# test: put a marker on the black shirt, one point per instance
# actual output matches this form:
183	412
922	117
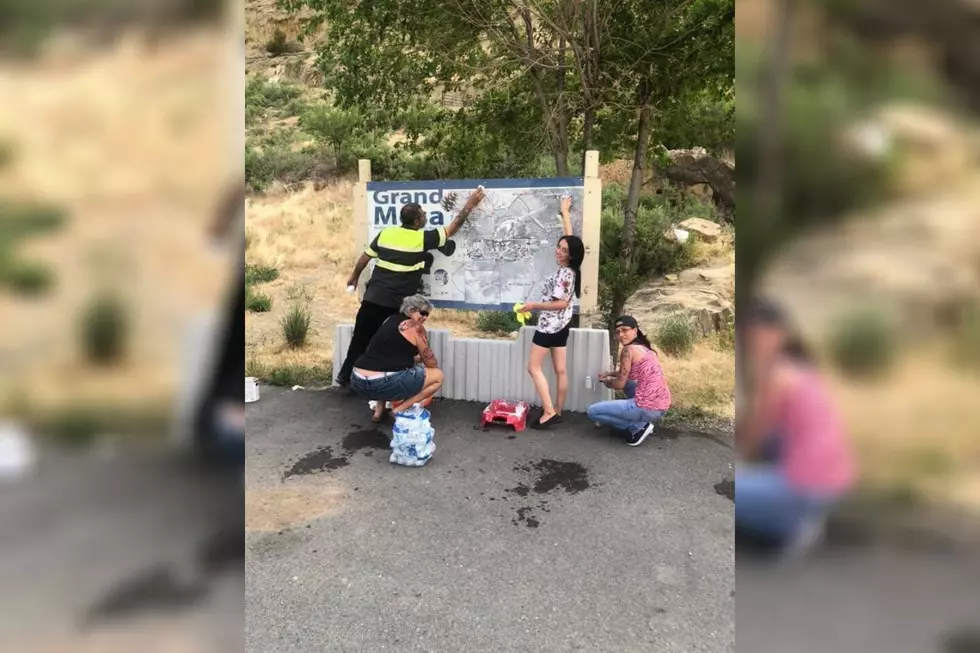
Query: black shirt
389	350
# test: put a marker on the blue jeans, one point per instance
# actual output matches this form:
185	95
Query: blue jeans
393	386
624	413
768	507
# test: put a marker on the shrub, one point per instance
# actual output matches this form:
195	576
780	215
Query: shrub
296	326
258	302
80	424
280	162
300	292
966	342
725	338
104	329
29	279
259	274
863	343
676	335
306	375
255	367
497	322
26	220
277	45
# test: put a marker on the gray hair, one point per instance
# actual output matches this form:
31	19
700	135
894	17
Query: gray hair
415	303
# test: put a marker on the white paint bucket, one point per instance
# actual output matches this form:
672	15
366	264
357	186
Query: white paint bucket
251	389
17	455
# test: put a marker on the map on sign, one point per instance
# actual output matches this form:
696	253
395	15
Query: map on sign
506	249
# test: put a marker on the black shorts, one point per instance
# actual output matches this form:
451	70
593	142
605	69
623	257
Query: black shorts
552	340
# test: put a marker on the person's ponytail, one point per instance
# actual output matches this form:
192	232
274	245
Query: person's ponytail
641	339
576	255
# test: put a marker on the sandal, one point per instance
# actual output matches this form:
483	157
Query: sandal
538	425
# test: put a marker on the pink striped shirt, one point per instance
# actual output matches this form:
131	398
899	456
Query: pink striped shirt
652	392
817	456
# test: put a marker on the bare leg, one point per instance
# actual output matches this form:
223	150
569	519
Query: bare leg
379	411
541	382
433	381
558	358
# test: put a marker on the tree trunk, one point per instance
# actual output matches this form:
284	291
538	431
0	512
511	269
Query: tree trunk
632	203
588	126
561	113
766	190
636	180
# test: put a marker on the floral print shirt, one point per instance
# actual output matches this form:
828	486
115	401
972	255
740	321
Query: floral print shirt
559	286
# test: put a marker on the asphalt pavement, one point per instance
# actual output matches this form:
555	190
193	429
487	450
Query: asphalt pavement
564	540
125	542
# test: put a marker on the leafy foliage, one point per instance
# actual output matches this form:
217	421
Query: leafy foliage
655	255
497	322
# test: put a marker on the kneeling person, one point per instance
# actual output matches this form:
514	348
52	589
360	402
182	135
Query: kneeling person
387	371
641	379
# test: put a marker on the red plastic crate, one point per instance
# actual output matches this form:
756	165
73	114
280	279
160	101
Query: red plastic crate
511	413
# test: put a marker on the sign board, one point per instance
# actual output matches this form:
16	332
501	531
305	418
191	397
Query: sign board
505	250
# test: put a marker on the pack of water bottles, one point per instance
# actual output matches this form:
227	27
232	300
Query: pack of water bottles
412	443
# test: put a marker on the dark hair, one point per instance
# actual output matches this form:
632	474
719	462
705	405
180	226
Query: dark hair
641	339
411	214
576	254
766	312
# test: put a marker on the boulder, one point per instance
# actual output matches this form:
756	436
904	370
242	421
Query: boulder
917	258
705	295
706	230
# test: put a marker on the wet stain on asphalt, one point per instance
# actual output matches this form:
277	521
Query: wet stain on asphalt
222	550
965	640
521	490
321	459
555	474
726	488
511	437
156	589
547	476
526	516
365	439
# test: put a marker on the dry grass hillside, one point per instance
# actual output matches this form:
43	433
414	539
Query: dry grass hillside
130	143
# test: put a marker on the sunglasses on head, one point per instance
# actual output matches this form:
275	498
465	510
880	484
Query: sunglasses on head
424	313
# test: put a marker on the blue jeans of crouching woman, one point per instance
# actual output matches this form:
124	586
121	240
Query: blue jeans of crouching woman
391	386
624	413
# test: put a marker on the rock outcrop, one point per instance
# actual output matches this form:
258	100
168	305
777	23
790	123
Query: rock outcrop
704	294
919	259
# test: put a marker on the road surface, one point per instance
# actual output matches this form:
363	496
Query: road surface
566	540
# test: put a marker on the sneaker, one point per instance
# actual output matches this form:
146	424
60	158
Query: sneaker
808	538
636	439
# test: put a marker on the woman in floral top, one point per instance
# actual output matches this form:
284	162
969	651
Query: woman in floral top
556	308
